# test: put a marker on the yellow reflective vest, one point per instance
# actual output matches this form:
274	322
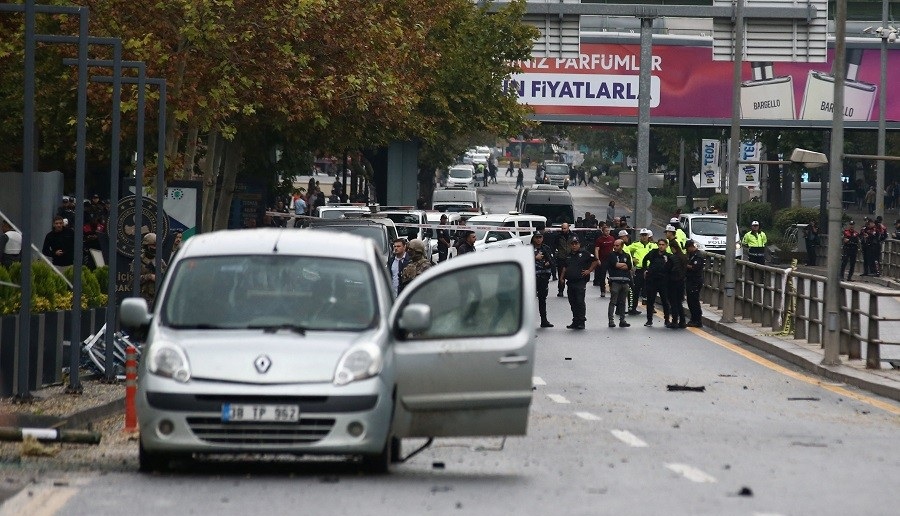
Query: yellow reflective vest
757	240
638	250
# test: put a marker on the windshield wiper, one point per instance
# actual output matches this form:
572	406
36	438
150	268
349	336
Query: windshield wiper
202	326
272	328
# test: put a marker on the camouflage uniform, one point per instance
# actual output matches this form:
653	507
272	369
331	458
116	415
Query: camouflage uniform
417	264
148	269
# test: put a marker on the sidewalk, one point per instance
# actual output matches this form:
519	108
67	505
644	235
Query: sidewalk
883	382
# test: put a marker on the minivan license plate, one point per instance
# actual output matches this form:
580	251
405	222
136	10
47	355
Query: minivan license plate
274	413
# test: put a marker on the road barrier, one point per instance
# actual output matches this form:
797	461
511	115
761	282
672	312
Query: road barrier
759	297
130	388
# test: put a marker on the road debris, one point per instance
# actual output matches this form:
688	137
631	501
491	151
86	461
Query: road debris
688	388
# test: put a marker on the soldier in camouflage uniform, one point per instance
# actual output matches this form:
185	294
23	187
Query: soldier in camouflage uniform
148	268
417	262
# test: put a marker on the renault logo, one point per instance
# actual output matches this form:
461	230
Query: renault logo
262	364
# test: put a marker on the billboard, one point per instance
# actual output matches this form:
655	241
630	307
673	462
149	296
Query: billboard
689	88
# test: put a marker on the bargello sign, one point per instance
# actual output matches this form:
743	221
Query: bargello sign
126	227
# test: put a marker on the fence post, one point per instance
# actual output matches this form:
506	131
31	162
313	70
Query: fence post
800	319
815	317
768	299
854	350
873	347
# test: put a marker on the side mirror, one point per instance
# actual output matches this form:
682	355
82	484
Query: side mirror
491	240
415	318
134	314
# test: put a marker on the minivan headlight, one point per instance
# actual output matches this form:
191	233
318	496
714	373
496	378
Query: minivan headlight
169	360
358	363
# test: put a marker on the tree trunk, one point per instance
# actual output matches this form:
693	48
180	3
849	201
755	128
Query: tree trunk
173	93
190	150
233	154
210	174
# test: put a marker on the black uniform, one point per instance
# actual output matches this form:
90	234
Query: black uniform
543	268
657	267
693	281
850	250
60	240
443	236
576	282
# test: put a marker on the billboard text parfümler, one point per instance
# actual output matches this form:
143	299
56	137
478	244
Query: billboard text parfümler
689	88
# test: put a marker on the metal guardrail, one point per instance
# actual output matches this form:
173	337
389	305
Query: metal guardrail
785	299
890	256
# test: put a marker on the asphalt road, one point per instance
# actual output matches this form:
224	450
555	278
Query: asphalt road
606	436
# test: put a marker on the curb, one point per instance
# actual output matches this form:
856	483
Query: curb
806	360
85	417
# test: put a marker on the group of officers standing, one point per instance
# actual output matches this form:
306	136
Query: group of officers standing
670	267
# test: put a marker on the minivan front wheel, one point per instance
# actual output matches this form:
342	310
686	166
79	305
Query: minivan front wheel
379	463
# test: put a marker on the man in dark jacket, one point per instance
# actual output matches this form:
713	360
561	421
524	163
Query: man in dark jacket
657	267
619	267
543	265
398	261
579	264
59	244
693	281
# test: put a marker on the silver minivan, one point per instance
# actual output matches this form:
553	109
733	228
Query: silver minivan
283	341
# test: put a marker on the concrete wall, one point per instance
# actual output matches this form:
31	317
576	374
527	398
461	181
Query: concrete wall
47	192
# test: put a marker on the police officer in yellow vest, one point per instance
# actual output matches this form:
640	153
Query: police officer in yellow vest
680	235
755	241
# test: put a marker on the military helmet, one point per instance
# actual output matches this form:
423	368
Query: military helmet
416	245
149	239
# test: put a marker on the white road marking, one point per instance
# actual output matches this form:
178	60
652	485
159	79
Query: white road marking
629	438
537	380
588	416
691	473
557	398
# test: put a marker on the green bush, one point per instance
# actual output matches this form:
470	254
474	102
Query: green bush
91	294
790	216
102	275
759	211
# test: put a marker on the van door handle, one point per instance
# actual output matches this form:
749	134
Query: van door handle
513	359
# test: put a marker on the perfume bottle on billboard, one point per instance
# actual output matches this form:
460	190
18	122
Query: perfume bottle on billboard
859	97
767	96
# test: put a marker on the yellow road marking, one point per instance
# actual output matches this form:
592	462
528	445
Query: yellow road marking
887	407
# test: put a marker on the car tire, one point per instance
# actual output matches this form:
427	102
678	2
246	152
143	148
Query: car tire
379	463
149	462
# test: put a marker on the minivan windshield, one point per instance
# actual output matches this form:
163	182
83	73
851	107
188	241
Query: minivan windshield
556	213
708	227
461	173
271	292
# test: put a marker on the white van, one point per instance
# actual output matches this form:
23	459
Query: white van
455	200
461	175
708	231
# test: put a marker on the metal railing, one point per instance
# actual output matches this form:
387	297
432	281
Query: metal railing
792	303
890	256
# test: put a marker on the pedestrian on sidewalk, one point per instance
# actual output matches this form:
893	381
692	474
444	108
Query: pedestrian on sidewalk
611	212
850	241
693	281
520	179
579	265
870	199
620	267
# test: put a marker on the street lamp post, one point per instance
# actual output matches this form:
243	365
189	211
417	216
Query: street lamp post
887	34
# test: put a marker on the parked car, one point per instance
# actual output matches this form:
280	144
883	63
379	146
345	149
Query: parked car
512	229
461	175
382	231
273	341
409	223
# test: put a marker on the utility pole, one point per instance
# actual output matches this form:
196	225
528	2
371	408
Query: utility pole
733	149
831	338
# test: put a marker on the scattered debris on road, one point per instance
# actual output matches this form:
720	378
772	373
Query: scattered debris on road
745	491
688	388
804	399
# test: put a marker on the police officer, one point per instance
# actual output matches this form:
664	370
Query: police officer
638	251
657	267
680	235
755	240
563	245
619	268
693	281
850	241
579	264
467	245
148	268
543	265
871	245
443	238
